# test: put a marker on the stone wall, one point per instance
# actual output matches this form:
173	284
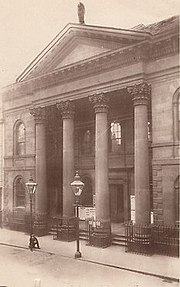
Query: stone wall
164	165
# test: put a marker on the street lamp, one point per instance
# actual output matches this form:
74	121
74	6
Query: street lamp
77	187
31	188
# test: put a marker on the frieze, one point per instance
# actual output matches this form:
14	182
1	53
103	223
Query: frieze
163	48
99	102
39	114
67	109
140	93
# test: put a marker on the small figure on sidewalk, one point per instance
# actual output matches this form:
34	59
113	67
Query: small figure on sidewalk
33	242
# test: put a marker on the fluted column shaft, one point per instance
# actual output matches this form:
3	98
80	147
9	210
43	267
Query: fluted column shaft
67	111
140	95
101	157
41	194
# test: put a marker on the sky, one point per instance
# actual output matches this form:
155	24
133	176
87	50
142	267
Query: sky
27	26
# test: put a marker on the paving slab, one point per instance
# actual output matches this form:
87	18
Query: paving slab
114	256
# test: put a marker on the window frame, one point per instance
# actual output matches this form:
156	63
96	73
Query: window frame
17	143
18	193
119	146
84	143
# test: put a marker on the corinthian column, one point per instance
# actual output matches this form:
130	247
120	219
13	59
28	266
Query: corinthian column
41	194
67	111
100	104
140	95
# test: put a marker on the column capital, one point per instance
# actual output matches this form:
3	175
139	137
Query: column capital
99	102
140	93
38	114
67	109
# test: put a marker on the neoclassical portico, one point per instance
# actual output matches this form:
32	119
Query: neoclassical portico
140	94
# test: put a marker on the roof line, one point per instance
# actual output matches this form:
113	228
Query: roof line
53	42
18	79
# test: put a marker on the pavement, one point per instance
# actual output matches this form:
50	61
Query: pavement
113	256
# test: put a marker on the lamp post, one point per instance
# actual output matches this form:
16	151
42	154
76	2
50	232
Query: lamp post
31	189
77	187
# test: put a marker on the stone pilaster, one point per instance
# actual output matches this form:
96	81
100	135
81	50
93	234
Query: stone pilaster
100	104
140	95
67	110
41	193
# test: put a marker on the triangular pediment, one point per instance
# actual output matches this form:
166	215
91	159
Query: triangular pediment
81	51
76	43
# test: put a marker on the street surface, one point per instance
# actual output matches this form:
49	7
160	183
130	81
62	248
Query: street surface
23	268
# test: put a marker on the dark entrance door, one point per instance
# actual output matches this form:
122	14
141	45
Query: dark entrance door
117	203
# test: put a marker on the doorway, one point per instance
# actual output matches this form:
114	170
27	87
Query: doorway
116	203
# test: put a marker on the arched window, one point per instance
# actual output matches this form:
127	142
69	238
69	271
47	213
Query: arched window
115	137
19	192
19	138
87	195
177	202
87	143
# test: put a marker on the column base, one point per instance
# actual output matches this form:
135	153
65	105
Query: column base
139	239
65	228
100	233
77	255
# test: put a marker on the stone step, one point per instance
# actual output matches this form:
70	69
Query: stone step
117	239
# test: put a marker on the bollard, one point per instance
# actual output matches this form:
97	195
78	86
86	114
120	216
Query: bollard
37	283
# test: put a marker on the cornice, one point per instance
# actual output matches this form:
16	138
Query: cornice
72	30
165	144
120	57
165	161
143	52
164	48
19	157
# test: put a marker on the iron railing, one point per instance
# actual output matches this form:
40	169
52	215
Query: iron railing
152	239
99	233
165	240
64	228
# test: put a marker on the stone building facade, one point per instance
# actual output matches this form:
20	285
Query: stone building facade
105	102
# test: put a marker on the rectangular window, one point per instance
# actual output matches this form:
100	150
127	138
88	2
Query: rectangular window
115	137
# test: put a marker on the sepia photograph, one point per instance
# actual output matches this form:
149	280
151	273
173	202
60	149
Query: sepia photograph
89	143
